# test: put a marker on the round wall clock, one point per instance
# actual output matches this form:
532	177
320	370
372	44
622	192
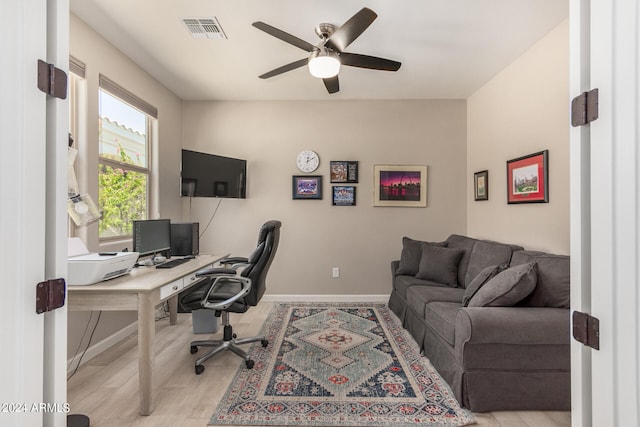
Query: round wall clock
307	161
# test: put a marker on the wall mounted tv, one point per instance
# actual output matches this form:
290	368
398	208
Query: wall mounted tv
210	175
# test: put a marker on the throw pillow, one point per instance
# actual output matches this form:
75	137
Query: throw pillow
508	287
481	278
439	264
411	254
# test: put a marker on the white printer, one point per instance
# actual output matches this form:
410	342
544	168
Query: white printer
86	268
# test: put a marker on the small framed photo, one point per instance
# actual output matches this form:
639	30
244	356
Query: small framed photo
344	171
307	187
400	185
528	178
481	185
343	195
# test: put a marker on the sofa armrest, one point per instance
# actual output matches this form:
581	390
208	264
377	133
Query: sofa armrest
394	267
511	325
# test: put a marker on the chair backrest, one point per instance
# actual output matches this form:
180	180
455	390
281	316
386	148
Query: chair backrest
260	260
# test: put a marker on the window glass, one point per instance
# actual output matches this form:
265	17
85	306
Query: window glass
123	176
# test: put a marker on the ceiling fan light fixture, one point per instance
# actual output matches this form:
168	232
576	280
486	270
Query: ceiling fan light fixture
324	64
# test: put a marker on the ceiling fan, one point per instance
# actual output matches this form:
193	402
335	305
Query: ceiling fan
327	56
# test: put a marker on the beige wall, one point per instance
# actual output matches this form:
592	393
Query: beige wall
101	57
523	110
316	236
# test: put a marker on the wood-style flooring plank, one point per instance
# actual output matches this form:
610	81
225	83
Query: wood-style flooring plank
106	387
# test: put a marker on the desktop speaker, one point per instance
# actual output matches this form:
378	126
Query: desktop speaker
184	238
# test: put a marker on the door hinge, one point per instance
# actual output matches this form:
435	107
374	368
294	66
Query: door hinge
52	80
584	108
50	295
586	329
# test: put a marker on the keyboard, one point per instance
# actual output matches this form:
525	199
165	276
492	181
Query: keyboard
173	263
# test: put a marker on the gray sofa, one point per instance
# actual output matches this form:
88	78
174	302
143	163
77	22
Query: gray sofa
507	347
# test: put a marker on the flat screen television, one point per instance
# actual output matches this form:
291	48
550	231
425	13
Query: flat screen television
210	175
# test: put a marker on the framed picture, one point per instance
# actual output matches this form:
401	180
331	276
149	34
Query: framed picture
528	178
400	185
343	195
307	187
481	185
344	171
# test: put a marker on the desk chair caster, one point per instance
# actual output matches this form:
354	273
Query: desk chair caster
249	363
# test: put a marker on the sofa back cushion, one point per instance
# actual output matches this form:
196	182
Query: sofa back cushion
411	254
554	285
478	255
486	253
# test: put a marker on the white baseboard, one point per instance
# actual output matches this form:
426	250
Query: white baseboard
101	346
324	298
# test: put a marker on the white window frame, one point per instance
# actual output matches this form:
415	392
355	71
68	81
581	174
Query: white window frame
117	91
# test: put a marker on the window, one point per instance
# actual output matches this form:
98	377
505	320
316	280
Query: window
123	166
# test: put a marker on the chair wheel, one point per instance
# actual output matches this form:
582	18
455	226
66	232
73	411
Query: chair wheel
264	343
250	363
193	349
199	369
234	336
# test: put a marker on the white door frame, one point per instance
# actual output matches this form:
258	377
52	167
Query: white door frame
605	211
32	171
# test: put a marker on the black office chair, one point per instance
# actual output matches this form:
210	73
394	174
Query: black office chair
234	289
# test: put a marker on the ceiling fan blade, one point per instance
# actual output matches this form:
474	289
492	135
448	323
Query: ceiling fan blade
285	37
366	61
292	66
332	84
350	30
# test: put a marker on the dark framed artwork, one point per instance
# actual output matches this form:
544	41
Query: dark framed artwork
400	185
481	185
307	187
528	178
344	171
343	195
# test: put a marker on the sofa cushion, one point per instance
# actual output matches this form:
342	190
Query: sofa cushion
507	288
481	278
411	254
466	244
419	296
554	285
439	264
441	318
404	282
486	253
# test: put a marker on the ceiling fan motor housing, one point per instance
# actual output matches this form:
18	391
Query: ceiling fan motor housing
324	31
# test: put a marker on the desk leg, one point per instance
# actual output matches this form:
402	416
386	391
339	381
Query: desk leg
173	310
146	352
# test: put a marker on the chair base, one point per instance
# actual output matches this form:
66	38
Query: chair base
229	342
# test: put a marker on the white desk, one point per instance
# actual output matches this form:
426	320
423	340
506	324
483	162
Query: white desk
141	290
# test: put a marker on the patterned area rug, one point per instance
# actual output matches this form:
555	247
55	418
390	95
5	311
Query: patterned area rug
338	365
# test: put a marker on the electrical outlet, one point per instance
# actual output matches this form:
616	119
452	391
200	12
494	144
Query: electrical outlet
336	272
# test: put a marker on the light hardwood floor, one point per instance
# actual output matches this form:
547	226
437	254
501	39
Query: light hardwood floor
106	387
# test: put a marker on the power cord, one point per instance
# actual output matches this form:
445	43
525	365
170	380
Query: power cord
211	219
95	326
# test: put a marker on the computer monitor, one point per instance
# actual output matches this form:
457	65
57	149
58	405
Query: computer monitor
152	236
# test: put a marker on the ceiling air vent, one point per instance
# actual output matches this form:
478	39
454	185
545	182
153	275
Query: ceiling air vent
204	28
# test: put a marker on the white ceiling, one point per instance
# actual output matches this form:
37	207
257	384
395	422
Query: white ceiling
448	48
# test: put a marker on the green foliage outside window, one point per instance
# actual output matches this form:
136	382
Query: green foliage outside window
122	197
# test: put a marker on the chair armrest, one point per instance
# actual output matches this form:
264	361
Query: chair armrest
234	260
394	267
245	288
215	271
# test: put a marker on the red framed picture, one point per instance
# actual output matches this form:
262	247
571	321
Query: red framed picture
528	178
